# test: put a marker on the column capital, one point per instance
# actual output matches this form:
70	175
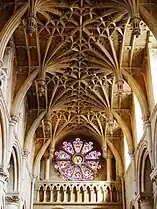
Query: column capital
41	86
131	151
146	120
25	153
12	199
14	119
1	63
109	155
105	151
51	152
4	174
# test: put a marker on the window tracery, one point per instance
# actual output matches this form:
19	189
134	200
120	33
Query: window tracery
77	160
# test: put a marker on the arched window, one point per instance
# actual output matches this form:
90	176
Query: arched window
77	160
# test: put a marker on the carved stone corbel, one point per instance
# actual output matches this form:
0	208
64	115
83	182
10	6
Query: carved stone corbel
41	87
136	26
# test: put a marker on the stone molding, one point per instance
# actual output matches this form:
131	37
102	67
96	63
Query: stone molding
4	175
145	197
25	153
153	176
12	198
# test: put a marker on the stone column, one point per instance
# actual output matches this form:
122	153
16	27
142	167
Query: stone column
24	158
47	168
12	202
85	193
51	194
65	199
3	180
12	124
133	164
32	191
109	166
58	195
99	194
147	129
92	194
3	77
78	194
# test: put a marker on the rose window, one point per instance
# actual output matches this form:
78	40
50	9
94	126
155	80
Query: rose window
77	160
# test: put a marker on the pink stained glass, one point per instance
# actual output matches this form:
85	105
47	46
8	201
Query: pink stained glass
94	165
62	164
87	147
62	155
87	173
68	172
93	155
77	175
67	146
77	145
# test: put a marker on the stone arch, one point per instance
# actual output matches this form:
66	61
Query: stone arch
39	156
14	171
31	131
18	153
145	187
22	92
149	19
138	92
3	134
125	129
10	27
141	156
154	151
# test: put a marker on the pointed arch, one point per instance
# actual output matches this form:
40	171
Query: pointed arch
31	131
125	130
4	132
22	92
141	157
138	92
39	156
10	27
149	19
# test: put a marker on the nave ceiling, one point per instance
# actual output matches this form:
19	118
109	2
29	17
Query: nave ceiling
90	57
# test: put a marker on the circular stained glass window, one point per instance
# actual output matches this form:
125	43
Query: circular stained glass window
77	160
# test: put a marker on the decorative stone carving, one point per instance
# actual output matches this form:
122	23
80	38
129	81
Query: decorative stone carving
31	25
153	176
51	152
110	124
4	174
14	120
120	84
12	199
105	151
47	127
25	153
41	86
136	26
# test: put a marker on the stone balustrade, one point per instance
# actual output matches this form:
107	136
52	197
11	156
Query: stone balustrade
78	192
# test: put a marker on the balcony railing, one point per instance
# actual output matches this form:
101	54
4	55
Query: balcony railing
77	192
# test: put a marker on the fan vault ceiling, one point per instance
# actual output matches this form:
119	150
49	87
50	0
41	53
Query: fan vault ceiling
90	57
